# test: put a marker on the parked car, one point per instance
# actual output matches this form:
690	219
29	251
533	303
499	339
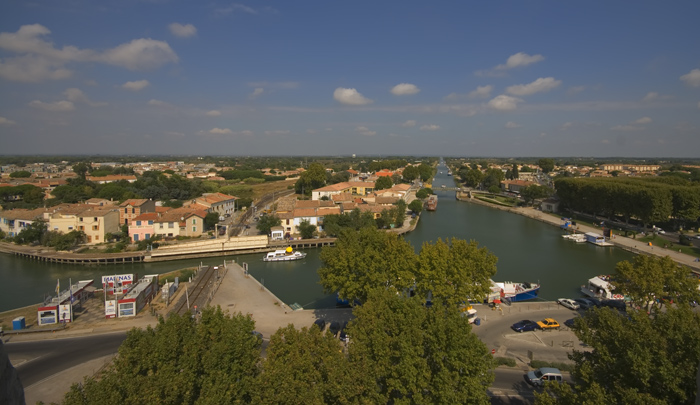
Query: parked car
569	323
584	303
320	323
595	301
571	304
334	328
620	305
538	377
548	323
524	326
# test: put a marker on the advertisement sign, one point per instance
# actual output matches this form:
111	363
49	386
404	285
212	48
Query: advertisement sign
47	317
127	309
64	313
110	309
120	283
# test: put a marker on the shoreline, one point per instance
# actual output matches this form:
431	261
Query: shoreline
628	244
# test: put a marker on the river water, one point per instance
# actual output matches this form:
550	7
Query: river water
527	250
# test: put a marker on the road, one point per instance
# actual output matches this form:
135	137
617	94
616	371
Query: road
40	359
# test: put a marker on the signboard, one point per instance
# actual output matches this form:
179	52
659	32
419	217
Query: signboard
110	309
64	313
120	282
47	317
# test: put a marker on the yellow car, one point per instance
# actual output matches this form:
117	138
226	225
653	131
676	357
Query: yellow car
548	323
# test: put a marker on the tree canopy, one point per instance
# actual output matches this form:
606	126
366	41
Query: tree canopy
383	183
266	222
313	178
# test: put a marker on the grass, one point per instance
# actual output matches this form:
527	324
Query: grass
504	361
260	190
561	366
182	274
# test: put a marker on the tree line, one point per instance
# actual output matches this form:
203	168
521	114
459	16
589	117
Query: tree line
651	200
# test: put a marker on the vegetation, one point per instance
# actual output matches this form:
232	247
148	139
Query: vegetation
311	179
334	224
21	174
307	229
415	206
267	222
180	361
362	261
383	183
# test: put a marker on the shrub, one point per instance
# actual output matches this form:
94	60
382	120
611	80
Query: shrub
561	366
504	361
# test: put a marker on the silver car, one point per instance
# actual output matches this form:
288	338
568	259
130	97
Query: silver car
571	304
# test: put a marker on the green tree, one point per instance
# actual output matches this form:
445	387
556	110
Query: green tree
31	233
210	220
410	173
383	183
415	206
515	172
415	354
535	192
21	174
180	361
311	179
547	165
366	259
266	222
355	220
426	171
648	278
81	169
306	367
473	178
493	177
454	272
423	193
307	229
634	359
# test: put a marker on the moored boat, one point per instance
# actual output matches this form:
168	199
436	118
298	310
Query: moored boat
515	292
600	287
431	204
284	255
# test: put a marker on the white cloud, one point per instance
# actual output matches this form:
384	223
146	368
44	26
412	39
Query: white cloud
32	69
512	125
277	132
153	101
542	84
213	113
481	92
350	97
654	96
221	131
59	106
135	85
409	124
404	89
182	31
431	127
519	59
365	131
643	120
5	121
40	60
504	103
77	96
575	90
258	91
627	128
692	78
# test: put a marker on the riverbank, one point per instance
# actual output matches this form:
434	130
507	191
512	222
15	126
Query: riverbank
626	243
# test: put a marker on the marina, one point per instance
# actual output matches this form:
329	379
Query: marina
527	249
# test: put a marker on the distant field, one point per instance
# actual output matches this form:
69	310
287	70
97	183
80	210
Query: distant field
261	189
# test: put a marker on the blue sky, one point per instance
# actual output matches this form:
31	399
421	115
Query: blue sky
450	78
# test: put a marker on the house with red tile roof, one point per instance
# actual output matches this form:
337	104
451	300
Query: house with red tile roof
219	203
354	187
132	208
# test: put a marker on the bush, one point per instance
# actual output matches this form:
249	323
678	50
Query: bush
561	366
504	361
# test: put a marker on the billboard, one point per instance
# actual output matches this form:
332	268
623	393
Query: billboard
65	314
110	308
121	283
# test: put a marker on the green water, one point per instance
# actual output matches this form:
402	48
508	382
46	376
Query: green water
527	250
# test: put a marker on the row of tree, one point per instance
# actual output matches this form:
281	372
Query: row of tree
651	200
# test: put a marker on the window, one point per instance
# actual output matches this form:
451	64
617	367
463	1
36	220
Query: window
126	210
138	223
136	237
81	219
148	236
95	227
133	210
171	225
95	219
97	237
70	227
81	228
161	225
194	229
194	221
150	222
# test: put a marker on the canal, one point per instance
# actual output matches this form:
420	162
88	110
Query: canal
527	250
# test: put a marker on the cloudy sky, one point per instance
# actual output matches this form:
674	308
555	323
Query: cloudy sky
452	78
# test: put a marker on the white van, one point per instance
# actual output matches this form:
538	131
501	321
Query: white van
541	375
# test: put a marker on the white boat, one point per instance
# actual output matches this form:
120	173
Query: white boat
514	292
576	237
284	255
600	287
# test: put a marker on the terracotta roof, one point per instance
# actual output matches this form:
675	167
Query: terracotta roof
149	216
213	198
327	203
134	202
96	212
334	187
305	212
348	206
386	200
401	187
24	214
285	215
328	211
161	210
307	204
384	173
341	197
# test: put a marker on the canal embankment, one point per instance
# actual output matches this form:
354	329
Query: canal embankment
622	242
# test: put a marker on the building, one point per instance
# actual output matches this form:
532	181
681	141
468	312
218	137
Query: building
14	221
179	222
143	227
113	178
96	223
353	187
219	203
132	208
516	186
